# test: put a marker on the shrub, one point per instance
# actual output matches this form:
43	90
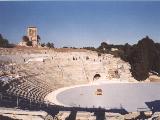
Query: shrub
29	43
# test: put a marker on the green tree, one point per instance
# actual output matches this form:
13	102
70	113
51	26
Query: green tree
144	57
38	38
50	45
3	42
103	48
1	37
25	38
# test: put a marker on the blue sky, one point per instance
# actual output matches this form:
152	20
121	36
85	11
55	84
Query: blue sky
81	23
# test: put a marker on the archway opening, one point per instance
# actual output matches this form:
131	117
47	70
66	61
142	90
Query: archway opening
96	77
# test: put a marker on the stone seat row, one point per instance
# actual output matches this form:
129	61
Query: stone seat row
29	90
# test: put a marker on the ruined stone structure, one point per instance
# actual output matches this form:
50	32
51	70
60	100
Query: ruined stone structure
33	36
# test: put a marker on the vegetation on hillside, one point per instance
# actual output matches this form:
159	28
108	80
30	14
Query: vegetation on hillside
3	42
144	57
25	39
49	45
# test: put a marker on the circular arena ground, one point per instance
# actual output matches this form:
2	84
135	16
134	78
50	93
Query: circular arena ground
128	96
